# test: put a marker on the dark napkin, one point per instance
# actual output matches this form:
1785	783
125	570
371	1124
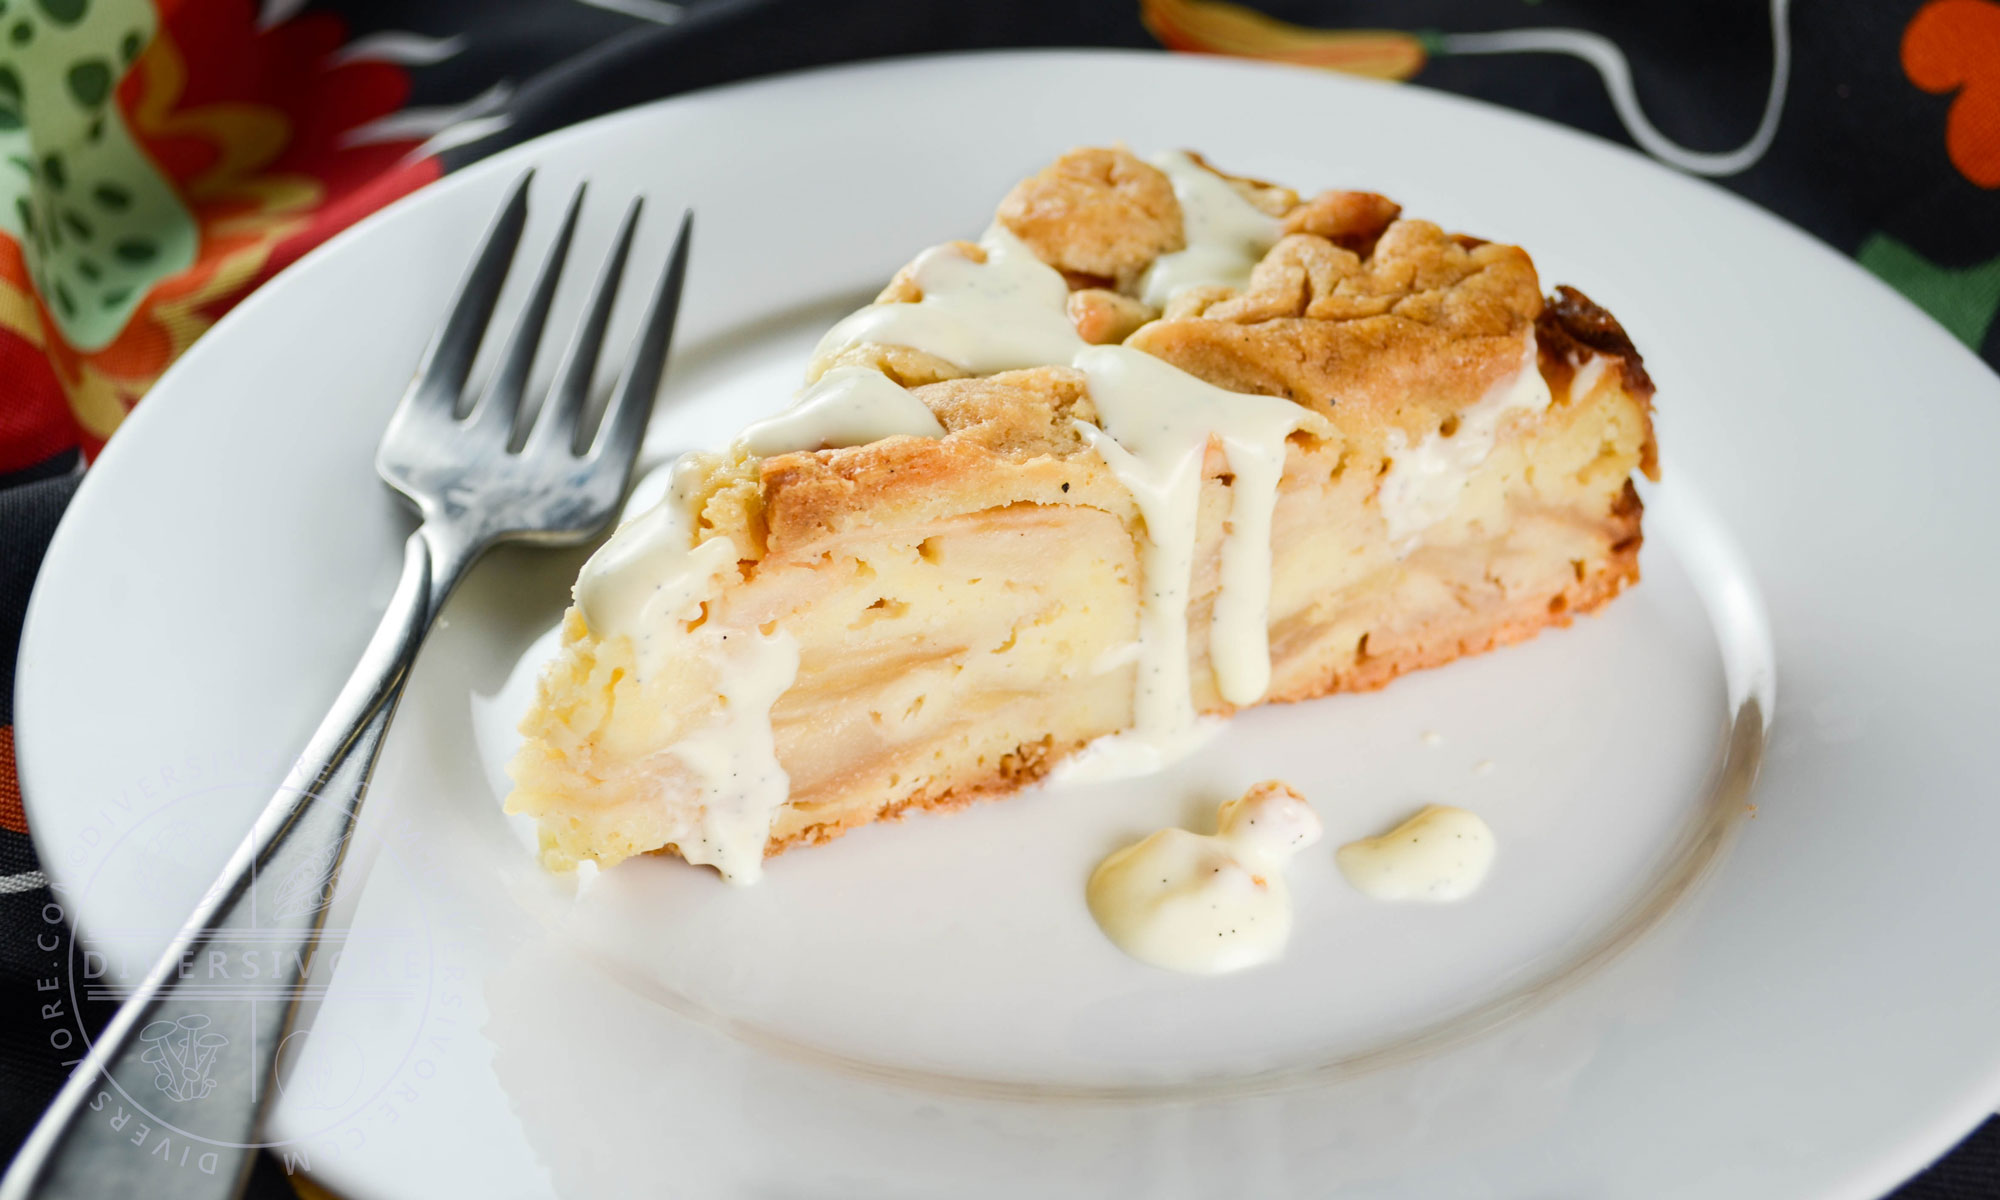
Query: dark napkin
1882	137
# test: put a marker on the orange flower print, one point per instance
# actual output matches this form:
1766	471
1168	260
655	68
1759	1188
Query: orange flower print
1954	45
1215	27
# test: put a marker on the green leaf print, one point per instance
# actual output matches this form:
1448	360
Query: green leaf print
97	221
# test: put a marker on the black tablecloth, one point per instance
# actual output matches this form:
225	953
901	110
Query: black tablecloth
1876	126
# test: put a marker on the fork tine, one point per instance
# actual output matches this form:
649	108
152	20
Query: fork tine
561	411
624	422
500	405
440	378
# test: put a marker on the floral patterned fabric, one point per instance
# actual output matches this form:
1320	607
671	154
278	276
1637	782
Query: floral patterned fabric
161	159
157	163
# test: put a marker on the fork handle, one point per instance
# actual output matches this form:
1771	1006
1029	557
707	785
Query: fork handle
194	1072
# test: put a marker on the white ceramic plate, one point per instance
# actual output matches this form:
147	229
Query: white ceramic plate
1655	994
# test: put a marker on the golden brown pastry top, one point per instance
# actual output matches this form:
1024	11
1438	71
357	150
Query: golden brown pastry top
1097	213
1101	216
1422	318
1374	321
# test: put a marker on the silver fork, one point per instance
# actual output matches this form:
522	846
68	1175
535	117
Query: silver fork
477	482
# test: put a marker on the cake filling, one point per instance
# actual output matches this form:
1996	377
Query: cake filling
1425	481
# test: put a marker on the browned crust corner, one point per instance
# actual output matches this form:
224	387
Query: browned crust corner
1572	319
1573	327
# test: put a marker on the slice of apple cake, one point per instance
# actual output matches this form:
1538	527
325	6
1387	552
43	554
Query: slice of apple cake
1162	444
